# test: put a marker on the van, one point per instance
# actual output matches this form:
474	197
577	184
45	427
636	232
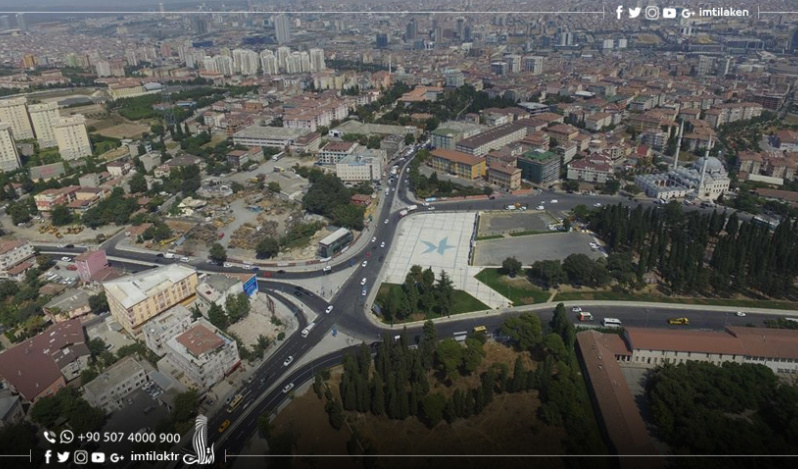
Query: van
585	316
327	270
307	330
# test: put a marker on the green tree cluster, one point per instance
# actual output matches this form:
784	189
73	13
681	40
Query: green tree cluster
419	294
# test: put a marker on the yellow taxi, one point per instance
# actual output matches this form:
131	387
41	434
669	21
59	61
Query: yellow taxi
224	426
678	321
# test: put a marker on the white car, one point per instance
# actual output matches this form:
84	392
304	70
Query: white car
576	309
553	201
597	204
185	259
540	207
288	360
374	239
364	264
66	259
431	208
363	282
740	314
227	265
382	244
329	309
288	387
386	221
248	266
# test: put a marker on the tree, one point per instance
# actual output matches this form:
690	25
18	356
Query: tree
185	406
267	247
98	303
274	187
218	317
554	345
237	307
138	183
511	266
612	186
549	272
61	216
524	330
473	355
349	216
571	185
217	253
409	139
433	406
449	355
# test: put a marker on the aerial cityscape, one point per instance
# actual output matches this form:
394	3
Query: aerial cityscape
390	234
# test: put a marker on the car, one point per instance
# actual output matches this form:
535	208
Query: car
431	208
364	264
327	269
363	292
224	426
185	259
740	314
381	258
248	266
374	239
576	309
288	387
553	201
382	244
160	254
524	207
288	360
540	207
227	264
368	253
597	204
281	271
363	282
386	221
211	261
329	309
72	267
678	321
66	259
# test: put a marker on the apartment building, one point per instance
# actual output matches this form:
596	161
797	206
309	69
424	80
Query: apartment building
13	254
492	139
460	164
137	298
47	199
89	263
9	156
159	330
505	176
14	111
362	166
72	137
203	353
109	389
43	117
596	168
539	167
277	137
333	152
449	133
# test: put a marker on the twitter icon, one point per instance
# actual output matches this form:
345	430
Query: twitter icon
63	457
634	12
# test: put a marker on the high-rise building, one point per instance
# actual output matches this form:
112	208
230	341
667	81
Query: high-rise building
382	40
461	27
499	68
467	34
103	68
14	112
513	63
29	61
268	62
317	60
532	64
705	66
282	54
21	22
135	299
245	61
224	65
72	137
411	31
282	29
42	116
200	25
9	157
131	58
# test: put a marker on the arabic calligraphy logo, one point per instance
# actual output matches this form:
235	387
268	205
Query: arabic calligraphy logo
202	454
442	246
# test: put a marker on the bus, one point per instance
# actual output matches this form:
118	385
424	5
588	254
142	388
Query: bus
460	336
235	403
611	322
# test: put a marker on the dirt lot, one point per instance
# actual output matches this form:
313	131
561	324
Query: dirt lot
258	322
507	426
497	223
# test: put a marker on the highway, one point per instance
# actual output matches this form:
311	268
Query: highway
350	314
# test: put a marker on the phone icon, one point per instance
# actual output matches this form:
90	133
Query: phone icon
50	437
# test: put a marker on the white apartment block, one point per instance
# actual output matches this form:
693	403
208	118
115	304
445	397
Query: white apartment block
13	111
9	157
109	390
268	62
13	253
359	167
163	327
203	353
72	137
43	116
317	60
245	61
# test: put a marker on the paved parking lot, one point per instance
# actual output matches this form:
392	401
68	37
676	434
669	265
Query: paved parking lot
495	223
532	248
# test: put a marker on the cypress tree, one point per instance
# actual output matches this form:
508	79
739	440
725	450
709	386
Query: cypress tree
378	396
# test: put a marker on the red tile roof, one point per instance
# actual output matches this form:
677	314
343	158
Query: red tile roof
200	340
456	156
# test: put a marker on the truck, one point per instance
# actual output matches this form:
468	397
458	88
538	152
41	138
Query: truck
169	255
403	213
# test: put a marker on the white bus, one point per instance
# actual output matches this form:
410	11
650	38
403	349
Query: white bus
610	322
460	336
307	330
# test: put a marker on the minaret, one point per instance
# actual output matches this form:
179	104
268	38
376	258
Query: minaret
678	145
704	169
